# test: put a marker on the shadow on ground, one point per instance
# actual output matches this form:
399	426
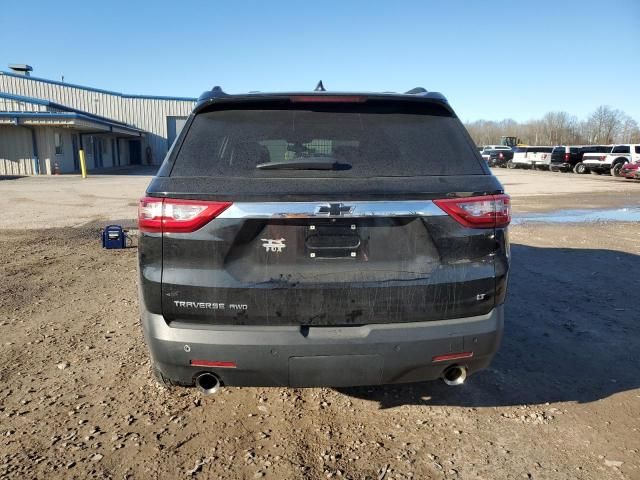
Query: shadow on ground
572	334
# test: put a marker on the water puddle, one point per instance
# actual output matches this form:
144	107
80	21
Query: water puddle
627	214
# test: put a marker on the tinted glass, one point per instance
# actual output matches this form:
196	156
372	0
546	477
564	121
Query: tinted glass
621	149
637	149
373	141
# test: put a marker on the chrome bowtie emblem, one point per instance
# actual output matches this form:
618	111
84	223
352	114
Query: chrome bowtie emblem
334	209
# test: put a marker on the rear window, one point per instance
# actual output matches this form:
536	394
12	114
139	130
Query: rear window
558	150
621	149
596	149
371	141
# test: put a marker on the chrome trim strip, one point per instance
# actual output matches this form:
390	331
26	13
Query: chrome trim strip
345	209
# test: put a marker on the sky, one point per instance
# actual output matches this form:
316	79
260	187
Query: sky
492	59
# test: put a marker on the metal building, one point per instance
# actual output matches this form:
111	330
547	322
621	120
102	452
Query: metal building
43	123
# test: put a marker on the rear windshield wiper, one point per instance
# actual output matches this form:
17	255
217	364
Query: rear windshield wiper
310	163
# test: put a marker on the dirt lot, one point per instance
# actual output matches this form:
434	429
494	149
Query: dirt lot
561	400
68	200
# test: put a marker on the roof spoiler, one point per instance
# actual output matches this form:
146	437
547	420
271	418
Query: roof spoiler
217	93
423	92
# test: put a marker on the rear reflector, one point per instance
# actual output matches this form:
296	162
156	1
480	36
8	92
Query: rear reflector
169	215
328	99
208	363
488	211
452	356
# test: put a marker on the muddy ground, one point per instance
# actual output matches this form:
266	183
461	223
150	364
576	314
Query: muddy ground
560	401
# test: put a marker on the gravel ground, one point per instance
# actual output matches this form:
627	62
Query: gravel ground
560	401
68	200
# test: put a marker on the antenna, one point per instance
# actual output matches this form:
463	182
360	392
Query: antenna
320	87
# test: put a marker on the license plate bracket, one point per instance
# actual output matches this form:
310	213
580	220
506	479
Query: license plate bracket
334	240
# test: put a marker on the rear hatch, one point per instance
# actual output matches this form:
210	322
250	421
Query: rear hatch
339	211
596	154
559	155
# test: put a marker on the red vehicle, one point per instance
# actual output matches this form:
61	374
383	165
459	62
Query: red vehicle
630	170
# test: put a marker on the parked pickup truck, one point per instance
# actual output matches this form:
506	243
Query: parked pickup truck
612	161
531	157
487	149
499	158
566	158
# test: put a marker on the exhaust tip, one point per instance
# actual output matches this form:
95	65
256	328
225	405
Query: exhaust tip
454	375
207	383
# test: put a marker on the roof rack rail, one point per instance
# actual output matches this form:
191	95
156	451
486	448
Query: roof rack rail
416	91
215	92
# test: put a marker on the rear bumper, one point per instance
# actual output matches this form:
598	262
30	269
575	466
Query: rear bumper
322	356
562	165
598	167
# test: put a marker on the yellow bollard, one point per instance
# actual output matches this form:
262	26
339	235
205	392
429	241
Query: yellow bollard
83	164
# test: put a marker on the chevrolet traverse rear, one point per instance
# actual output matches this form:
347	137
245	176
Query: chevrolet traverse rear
322	239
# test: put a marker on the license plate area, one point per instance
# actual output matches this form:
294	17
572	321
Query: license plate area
336	239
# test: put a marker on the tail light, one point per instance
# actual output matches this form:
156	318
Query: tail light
566	157
501	155
169	215
488	211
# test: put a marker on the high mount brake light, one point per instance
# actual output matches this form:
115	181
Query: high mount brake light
169	215
327	99
488	211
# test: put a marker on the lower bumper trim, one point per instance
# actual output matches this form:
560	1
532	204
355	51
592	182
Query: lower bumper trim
324	356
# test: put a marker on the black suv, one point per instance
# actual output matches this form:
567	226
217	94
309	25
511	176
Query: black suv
322	239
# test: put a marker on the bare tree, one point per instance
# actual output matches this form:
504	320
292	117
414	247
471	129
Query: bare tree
629	132
604	126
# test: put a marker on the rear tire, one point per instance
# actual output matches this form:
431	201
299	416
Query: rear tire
510	164
615	169
580	168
